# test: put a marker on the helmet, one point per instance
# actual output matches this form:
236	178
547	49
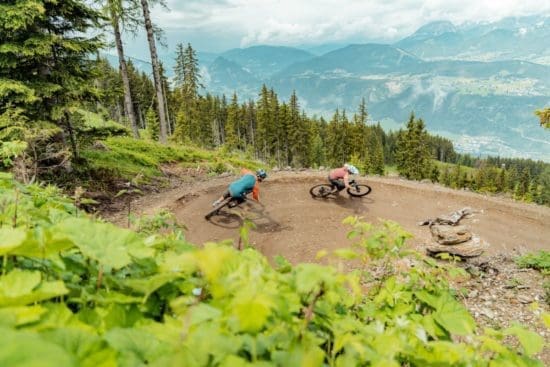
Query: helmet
261	174
351	169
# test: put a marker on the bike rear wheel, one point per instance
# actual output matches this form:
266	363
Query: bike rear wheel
321	191
359	190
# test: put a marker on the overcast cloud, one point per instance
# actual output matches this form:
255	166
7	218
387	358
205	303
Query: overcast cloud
217	24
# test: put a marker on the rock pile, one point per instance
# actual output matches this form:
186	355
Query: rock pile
450	237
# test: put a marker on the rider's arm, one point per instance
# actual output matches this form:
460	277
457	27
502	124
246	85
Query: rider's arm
346	180
256	192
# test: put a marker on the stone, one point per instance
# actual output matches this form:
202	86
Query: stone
487	312
450	235
473	248
99	145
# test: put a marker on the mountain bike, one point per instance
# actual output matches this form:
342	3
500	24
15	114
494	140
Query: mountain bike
230	202
355	189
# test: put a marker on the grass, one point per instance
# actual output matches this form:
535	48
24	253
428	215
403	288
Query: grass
126	157
537	260
452	167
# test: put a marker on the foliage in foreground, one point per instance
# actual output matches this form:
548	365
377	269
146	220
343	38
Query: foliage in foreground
80	292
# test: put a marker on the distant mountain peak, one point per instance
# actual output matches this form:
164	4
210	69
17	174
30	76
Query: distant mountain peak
435	29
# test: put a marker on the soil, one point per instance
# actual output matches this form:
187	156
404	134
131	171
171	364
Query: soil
289	222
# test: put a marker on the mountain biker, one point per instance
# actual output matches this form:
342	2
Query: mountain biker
339	177
246	183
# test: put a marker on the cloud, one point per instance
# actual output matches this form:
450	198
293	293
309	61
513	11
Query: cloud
291	22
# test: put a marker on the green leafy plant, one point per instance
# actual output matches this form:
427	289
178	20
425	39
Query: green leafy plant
538	260
77	291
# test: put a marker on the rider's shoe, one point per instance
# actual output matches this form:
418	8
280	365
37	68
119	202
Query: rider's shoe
217	202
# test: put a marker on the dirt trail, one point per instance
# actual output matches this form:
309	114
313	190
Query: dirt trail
294	225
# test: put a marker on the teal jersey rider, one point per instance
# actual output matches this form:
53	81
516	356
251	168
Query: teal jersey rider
243	185
248	182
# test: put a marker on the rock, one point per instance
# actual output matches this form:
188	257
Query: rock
451	218
524	299
487	312
321	168
473	293
99	145
472	248
275	169
450	235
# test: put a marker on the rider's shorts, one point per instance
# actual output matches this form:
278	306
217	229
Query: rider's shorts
339	184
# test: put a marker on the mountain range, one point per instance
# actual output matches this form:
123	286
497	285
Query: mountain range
477	84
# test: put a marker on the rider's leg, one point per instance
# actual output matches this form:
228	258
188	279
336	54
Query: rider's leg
338	184
222	198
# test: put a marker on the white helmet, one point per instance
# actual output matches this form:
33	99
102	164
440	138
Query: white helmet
351	169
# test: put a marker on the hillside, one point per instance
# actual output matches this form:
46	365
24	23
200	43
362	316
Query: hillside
477	84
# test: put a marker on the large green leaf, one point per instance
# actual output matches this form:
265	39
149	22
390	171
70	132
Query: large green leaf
24	349
59	315
19	283
453	317
21	315
19	288
107	244
252	311
531	342
310	277
88	349
136	347
300	356
148	285
42	243
203	312
11	238
213	259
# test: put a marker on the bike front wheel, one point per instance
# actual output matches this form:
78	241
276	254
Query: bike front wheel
321	191
217	209
359	190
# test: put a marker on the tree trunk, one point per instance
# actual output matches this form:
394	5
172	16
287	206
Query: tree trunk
128	105
72	138
168	122
156	70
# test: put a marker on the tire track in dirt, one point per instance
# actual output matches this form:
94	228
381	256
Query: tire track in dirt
290	223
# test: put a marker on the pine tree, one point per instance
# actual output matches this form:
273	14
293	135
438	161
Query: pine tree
544	117
334	141
179	68
191	76
413	152
375	154
446	177
233	120
263	115
152	123
45	64
297	139
457	179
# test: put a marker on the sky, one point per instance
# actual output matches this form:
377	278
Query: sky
218	25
